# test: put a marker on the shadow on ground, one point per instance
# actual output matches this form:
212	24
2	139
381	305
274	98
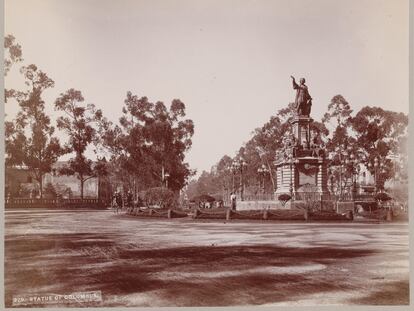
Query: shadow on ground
183	276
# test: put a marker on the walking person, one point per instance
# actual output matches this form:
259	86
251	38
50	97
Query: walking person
118	199
233	201
113	201
129	199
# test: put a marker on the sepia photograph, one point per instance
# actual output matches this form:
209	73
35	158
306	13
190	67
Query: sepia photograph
233	153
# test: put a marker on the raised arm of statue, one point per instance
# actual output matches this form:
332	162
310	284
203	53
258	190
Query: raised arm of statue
295	85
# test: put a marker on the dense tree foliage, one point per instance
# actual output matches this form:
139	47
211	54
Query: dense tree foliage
13	52
30	139
146	148
150	142
380	134
78	123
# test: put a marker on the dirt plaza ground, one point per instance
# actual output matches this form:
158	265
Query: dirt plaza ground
183	262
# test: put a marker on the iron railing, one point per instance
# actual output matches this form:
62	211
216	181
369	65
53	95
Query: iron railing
52	203
260	197
312	196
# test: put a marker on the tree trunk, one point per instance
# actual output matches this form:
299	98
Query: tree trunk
41	186
81	184
99	189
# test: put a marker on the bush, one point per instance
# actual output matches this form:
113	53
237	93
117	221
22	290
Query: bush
50	191
382	197
163	197
283	198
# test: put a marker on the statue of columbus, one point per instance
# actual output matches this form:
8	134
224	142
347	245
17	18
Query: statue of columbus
303	100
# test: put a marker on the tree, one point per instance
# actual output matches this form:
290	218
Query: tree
167	139
338	118
223	176
84	169
338	110
15	141
41	149
50	191
151	141
319	132
78	124
218	181
13	54
260	149
379	132
14	135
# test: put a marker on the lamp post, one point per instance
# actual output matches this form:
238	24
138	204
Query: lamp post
234	169
166	176
332	180
381	174
354	172
228	182
346	156
395	173
291	176
357	178
342	153
262	171
347	164
376	164
239	165
379	169
243	165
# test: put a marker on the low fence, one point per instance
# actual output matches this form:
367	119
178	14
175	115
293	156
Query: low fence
312	196
269	214
264	215
53	203
152	212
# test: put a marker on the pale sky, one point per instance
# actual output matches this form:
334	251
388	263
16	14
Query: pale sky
229	61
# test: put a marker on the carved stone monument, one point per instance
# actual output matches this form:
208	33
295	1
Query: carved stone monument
301	168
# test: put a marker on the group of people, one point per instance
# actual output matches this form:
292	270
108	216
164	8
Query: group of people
118	201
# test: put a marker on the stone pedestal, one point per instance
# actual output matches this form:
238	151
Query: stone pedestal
302	167
301	130
304	174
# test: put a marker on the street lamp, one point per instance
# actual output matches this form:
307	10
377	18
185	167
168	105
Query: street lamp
342	154
243	164
239	165
291	176
379	169
354	173
346	158
332	180
262	171
234	168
